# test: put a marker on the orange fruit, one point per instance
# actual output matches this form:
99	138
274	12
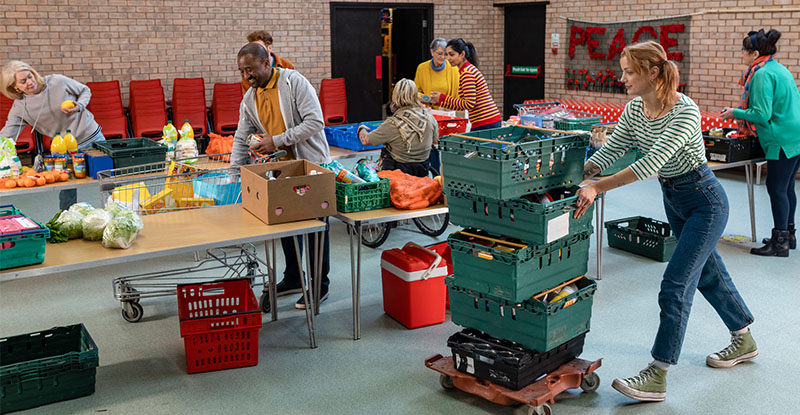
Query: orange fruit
41	181
68	104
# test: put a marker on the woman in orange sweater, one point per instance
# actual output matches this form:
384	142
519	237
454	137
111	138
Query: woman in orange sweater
473	93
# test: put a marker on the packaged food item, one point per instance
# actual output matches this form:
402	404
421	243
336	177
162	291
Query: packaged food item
120	232
70	142
162	201
253	139
195	202
169	134
366	172
57	145
342	174
186	130
49	163
59	163
94	224
79	165
186	148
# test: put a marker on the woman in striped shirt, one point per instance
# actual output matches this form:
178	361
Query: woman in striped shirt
473	93
665	125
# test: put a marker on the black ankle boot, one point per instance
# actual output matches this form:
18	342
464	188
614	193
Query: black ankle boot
792	238
778	245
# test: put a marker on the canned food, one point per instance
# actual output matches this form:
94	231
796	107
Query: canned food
253	139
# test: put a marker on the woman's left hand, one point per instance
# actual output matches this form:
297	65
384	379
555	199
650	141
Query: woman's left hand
70	110
727	113
586	196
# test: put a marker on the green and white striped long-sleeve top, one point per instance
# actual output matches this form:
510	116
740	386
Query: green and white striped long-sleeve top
671	144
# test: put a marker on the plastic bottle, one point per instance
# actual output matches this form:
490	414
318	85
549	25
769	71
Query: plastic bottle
170	136
186	130
70	142
57	146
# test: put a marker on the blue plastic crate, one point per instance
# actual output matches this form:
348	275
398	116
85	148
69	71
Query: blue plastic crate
330	134
346	136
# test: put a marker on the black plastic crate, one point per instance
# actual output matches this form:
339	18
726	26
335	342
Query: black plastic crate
732	149
642	236
506	363
129	152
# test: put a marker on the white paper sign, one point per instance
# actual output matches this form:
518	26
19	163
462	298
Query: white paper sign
558	227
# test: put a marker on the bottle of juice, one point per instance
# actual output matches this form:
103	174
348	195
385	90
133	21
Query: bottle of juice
186	130
57	146
70	142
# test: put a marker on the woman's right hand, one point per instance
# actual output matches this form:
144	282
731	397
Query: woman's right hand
435	95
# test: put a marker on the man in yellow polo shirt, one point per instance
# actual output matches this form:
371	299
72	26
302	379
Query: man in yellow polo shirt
281	107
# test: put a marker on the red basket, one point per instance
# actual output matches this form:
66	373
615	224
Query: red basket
451	125
219	324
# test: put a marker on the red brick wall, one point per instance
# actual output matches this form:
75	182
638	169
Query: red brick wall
98	40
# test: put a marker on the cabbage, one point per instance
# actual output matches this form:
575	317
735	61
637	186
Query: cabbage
115	208
121	232
118	210
82	208
69	223
94	223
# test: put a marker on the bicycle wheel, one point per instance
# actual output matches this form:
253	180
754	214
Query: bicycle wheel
374	236
433	225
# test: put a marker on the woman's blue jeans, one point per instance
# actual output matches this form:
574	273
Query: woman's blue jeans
697	211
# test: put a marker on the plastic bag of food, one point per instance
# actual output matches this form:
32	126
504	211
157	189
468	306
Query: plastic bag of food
81	208
94	224
121	232
69	223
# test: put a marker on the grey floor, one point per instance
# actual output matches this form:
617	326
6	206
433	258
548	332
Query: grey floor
143	364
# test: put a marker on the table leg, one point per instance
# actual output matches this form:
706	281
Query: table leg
319	238
307	296
357	286
748	174
599	214
270	287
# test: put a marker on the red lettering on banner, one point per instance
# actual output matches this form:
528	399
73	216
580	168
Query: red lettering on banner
576	37
591	43
642	30
668	42
617	44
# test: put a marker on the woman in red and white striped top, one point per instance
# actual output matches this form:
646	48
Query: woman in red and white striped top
473	93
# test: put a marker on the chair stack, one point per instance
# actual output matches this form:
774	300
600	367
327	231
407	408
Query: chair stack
518	284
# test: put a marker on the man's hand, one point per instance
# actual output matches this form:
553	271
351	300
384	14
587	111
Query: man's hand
435	96
727	113
265	146
362	136
586	196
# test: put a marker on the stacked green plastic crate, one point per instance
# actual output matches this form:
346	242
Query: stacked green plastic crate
513	189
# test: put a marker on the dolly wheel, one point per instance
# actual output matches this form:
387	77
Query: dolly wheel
264	302
590	382
135	313
446	381
543	409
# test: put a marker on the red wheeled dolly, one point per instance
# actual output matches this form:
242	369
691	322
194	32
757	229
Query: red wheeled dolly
539	395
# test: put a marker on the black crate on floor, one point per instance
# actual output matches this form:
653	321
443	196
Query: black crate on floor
504	362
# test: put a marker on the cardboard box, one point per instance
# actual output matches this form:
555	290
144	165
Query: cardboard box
294	193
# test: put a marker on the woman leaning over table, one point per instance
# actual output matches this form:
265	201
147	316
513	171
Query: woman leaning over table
37	102
473	93
665	125
770	108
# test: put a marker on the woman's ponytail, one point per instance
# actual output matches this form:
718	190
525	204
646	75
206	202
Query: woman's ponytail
667	82
471	55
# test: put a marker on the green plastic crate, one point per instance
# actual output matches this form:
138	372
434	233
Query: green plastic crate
47	366
642	236
521	218
626	160
28	247
582	121
357	197
129	152
520	274
536	162
533	323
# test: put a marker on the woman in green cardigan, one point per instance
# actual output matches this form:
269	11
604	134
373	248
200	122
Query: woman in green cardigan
770	108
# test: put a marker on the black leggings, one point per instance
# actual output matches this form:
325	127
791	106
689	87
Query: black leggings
780	186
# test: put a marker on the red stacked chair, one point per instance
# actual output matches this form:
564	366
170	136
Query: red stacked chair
333	99
225	107
26	142
106	106
148	108
189	103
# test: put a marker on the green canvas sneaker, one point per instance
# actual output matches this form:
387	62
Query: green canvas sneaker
741	349
649	385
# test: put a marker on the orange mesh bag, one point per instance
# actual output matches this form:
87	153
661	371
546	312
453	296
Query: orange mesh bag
411	192
218	144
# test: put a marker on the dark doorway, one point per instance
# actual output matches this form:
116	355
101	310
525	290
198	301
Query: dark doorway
524	47
357	51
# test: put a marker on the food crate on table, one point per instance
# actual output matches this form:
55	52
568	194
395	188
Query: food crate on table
538	108
357	197
509	162
642	236
219	324
513	271
22	239
504	362
533	323
46	366
533	219
451	125
129	152
621	163
731	147
576	120
346	136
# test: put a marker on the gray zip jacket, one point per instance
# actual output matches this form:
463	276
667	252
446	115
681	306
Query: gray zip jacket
301	113
44	110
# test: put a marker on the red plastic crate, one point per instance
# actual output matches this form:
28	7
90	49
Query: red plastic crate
413	285
219	324
451	125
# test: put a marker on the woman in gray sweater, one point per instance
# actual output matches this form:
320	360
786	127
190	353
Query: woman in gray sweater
37	102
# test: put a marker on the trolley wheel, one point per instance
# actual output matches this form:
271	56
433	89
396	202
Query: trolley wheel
446	381
263	302
543	409
374	236
131	293
433	225
136	312
590	382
